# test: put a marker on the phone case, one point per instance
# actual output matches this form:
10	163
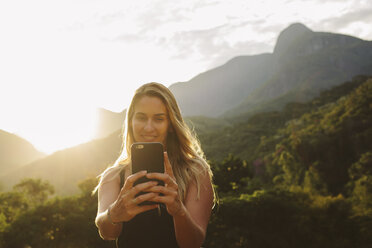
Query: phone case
147	156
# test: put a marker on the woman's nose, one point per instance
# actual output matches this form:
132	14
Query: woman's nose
149	126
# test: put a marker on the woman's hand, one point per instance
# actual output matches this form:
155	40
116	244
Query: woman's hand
126	205
170	196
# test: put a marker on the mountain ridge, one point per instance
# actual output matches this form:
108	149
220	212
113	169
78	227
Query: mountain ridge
64	169
288	35
16	151
109	122
303	61
202	84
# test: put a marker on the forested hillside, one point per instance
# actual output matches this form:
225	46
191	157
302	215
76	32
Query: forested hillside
242	135
306	181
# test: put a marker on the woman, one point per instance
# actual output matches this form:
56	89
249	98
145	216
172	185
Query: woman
185	201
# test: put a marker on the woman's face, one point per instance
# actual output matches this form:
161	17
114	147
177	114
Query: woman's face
150	120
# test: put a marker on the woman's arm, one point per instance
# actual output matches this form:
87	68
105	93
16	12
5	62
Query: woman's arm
107	194
191	222
191	217
123	204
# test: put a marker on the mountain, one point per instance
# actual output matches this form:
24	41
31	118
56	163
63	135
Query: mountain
65	169
15	151
217	90
303	63
109	122
307	62
288	35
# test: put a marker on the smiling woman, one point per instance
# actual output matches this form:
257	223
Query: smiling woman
183	205
150	122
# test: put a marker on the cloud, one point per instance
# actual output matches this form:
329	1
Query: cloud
129	38
148	24
214	46
166	13
200	30
322	1
204	41
359	15
210	32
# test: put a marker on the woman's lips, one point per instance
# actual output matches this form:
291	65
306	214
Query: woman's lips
148	137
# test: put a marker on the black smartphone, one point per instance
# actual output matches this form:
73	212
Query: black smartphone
147	156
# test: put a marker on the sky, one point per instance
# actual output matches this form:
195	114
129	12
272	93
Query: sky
60	60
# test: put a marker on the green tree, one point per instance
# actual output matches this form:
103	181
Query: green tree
230	174
35	191
361	184
313	182
58	222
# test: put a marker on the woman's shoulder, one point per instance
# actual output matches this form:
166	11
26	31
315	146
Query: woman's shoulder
200	164
112	173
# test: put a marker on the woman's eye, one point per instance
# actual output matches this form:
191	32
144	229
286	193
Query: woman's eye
140	118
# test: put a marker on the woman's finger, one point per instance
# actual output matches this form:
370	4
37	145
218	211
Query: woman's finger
163	177
132	178
142	198
141	187
167	200
163	190
136	209
144	208
167	165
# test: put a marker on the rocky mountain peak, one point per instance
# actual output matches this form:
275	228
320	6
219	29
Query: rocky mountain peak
289	35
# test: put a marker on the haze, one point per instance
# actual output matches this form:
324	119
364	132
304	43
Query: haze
61	60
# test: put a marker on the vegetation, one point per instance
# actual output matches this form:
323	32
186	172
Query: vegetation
25	221
306	178
301	177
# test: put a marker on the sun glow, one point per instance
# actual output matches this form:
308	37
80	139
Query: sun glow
52	129
61	60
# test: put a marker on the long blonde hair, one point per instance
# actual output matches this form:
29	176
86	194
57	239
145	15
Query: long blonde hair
183	148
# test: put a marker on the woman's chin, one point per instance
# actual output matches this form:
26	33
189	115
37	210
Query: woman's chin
148	139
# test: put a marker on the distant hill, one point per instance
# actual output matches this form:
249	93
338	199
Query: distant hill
303	63
109	122
15	151
65	169
219	89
